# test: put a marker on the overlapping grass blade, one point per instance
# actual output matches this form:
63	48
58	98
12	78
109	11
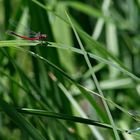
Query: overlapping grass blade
80	87
92	43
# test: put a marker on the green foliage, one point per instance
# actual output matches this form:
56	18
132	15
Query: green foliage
82	82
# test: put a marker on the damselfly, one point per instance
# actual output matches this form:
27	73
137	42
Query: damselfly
37	36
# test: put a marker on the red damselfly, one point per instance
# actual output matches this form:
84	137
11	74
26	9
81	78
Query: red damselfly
37	36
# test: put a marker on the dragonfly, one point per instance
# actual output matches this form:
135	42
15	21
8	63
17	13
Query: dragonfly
37	36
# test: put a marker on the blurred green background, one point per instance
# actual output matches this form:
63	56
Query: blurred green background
89	67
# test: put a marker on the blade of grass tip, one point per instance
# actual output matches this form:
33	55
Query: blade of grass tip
95	80
20	121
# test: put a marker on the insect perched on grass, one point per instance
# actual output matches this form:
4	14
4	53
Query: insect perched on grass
36	36
42	38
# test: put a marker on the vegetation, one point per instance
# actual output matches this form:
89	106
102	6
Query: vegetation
82	83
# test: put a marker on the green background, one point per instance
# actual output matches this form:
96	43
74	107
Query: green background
82	83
